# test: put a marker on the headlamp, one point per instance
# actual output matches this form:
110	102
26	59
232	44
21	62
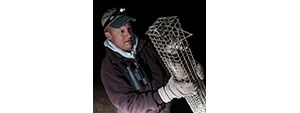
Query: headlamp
119	12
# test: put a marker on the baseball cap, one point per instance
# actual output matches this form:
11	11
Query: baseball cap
115	18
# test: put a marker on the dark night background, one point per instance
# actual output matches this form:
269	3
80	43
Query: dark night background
191	14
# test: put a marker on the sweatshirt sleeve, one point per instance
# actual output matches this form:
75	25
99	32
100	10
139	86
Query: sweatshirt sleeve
123	96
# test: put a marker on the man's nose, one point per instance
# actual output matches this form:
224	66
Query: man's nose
127	34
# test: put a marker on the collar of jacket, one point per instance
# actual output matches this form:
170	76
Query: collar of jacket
118	58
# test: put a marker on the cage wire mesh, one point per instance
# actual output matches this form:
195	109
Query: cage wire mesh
170	42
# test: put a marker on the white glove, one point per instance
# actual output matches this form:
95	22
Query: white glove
199	70
175	89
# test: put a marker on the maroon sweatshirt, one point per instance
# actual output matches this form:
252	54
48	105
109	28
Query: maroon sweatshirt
118	88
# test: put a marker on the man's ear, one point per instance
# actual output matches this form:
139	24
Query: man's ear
107	34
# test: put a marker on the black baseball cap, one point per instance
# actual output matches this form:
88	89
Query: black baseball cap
115	18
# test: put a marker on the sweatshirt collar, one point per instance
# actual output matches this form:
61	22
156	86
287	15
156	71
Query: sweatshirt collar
113	47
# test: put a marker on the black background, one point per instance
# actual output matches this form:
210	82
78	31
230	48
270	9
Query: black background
191	14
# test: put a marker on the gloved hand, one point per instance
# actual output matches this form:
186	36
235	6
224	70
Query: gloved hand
175	89
199	70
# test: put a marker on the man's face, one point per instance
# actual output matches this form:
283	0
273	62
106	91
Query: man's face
121	37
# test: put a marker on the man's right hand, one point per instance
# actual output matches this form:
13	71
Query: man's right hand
176	89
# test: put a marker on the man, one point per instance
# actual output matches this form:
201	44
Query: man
132	73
